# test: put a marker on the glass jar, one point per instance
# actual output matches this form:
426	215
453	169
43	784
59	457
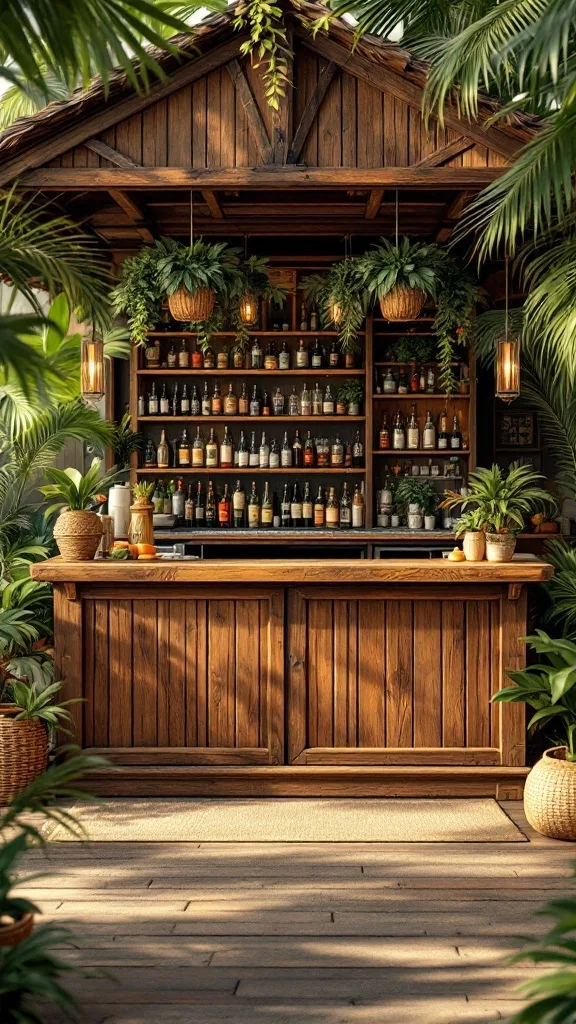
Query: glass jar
322	451
222	359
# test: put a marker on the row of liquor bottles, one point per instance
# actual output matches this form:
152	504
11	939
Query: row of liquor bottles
413	380
267	454
293	508
256	356
409	434
308	320
306	402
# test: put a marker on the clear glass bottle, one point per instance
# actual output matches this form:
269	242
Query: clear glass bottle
243	401
189	508
399	435
267	508
278	402
264	453
293	403
284	357
274	454
141	405
163	452
328	402
253	457
317	401
243	453
302	361
297	451
358	507
226	450
164	402
206	402
239	506
179	499
389	384
183	355
319	508
253	508
198	450
184	402
153	406
255	407
337	452
429	432
413	430
230	402
286	452
296	508
305	401
332	512
195	403
256	355
211	451
430	380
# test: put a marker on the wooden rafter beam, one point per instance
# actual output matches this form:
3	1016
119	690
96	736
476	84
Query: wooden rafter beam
112	155
451	216
133	212
448	152
212	204
282	117
374	203
310	111
252	111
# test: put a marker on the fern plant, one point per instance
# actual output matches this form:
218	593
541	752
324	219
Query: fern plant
409	264
456	299
213	265
341	298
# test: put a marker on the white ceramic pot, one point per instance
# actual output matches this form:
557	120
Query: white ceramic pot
430	522
474	545
354	409
415	521
383	519
394	520
119	508
500	547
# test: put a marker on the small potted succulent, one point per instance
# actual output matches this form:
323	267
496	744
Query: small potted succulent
349	396
401	275
78	529
194	276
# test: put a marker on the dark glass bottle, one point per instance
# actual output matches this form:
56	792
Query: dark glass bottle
211	509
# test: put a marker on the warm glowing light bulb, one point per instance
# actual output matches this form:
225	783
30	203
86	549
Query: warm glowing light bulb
92	369
508	369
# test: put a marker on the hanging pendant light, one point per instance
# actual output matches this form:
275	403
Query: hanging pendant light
507	359
248	308
92	369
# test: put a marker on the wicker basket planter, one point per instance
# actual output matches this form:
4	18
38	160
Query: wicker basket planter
194	306
550	795
500	547
13	933
77	535
23	751
402	303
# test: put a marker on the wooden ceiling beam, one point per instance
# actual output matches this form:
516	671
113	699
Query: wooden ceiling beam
112	155
374	203
133	212
252	111
448	152
310	111
212	204
452	215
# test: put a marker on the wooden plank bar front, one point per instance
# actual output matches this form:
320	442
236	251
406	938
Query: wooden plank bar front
282	677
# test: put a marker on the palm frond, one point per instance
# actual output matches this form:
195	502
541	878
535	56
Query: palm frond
554	396
23	98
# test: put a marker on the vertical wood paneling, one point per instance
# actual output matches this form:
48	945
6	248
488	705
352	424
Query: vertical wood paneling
120	671
198	655
307	81
349	118
495	681
221	674
512	735
248	673
213	122
129	137
242	158
320	626
389	152
89	666
145	672
477	674
227	124
330	125
371	673
102	708
179	117
401	116
155	135
297	660
427	674
172	666
399	695
453	680
199	123
344	672
370	126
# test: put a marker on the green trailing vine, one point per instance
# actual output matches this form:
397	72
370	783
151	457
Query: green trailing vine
456	300
137	293
268	43
342	288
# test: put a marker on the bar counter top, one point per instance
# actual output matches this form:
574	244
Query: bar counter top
522	569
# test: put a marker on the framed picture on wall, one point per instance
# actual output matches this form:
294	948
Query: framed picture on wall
517	431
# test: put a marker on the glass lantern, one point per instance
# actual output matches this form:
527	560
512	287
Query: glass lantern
249	309
92	369
508	369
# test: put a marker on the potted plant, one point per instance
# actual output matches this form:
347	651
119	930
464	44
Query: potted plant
349	396
548	688
78	529
417	498
341	298
469	523
137	293
500	503
194	276
141	529
401	276
255	284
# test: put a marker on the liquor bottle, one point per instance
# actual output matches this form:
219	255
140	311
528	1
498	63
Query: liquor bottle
264	453
317	401
443	430
429	433
226	450
230	402
316	360
224	508
256	355
456	435
175	405
332	514
399	435
402	382
152	356
384	434
278	402
253	508
286	452
309	450
239	506
238	358
414	378
172	358
285	508
305	401
164	402
296	508
267	510
293	403
334	357
314	317
328	402
284	357
211	451
253	457
222	359
211	508
153	401
307	507
198	450
185	402
195	404
158	496
358	450
206	403
319	510
243	453
243	402
184	452
216	402
274	454
303	317
189	508
163	452
337	452
255	408
271	358
199	507
358	508
413	432
266	407
430	381
183	356
297	452
302	356
345	508
179	499
141	405
389	384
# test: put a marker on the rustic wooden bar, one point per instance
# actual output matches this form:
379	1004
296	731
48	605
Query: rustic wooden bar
282	677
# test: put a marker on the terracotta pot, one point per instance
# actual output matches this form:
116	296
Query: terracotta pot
194	306
23	751
77	535
402	303
141	529
500	547
550	795
13	933
474	545
341	408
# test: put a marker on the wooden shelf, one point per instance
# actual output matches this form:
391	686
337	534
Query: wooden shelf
311	373
224	419
253	334
419	395
407	362
422	451
284	470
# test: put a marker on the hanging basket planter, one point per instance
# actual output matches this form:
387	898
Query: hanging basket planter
23	751
191	306
402	303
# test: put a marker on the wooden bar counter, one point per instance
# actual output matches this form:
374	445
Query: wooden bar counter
279	677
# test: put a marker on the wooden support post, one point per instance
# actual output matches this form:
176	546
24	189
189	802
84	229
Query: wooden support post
374	203
133	212
440	156
112	155
212	204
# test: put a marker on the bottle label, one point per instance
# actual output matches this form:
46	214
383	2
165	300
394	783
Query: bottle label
243	458
263	460
296	510
253	459
164	405
318	515
197	457
216	406
429	440
230	406
357	515
239	501
226	454
316	361
284	361
211	456
301	360
274	460
183	457
442	442
399	440
253	515
286	458
243	406
223	512
331	515
305	409
308	456
199	513
413	437
307	510
267	514
270	362
337	457
328	408
184	407
345	514
205	406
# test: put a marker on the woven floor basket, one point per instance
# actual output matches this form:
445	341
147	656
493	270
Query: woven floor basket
550	796
402	303
185	305
23	752
12	934
77	535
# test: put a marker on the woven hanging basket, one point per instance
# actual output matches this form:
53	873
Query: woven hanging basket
194	306
13	933
550	796
402	303
23	751
77	535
